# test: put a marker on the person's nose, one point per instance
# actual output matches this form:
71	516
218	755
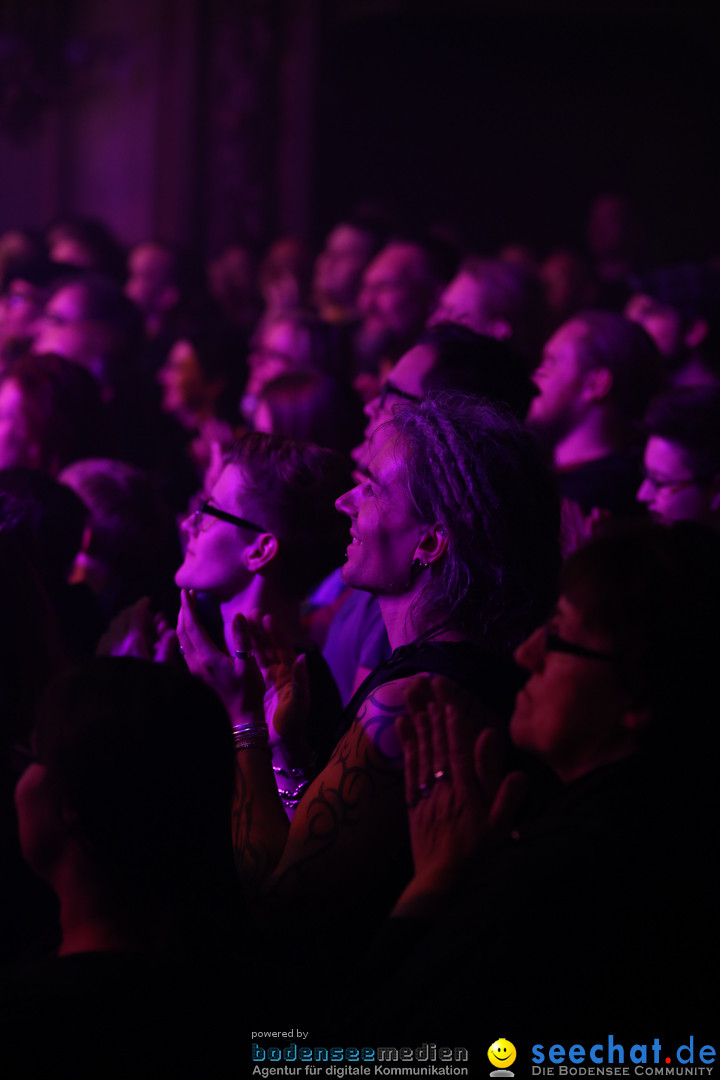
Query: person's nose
531	653
372	408
645	492
347	503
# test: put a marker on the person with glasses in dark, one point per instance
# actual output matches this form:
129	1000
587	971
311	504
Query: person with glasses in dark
682	457
265	536
595	910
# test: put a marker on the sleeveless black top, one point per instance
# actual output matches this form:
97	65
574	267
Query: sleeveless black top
493	678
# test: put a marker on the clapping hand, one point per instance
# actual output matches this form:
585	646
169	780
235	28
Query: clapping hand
458	801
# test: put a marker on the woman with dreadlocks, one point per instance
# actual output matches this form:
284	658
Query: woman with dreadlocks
455	530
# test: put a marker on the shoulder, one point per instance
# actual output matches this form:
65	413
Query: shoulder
378	714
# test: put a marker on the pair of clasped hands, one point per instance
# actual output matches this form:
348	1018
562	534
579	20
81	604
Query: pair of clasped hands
263	681
459	802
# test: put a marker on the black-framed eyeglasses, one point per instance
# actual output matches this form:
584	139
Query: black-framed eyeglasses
658	484
390	388
554	643
206	508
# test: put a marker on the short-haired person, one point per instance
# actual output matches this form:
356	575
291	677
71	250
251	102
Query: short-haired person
678	306
682	457
497	298
267	533
339	267
455	531
399	289
598	374
123	811
450	357
130	544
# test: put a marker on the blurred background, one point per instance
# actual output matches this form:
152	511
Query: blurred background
209	121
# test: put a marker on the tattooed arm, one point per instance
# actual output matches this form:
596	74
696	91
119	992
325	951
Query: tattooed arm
349	834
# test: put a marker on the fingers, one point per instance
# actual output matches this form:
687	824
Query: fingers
194	642
418	694
488	767
301	685
405	729
166	648
242	638
459	746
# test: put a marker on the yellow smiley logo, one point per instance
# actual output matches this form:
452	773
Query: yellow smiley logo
502	1053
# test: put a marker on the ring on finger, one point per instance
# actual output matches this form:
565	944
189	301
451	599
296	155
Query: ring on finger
440	774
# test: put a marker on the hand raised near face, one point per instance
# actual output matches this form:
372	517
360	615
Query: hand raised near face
458	801
237	679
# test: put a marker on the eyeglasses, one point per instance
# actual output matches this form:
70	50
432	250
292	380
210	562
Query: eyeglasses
390	388
553	643
674	485
207	509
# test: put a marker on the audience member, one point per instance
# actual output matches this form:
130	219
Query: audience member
677	306
168	285
87	245
90	321
615	240
499	299
569	286
573	912
123	811
50	414
447	358
295	341
598	373
399	289
47	522
682	457
311	407
25	293
232	284
265	536
339	267
130	544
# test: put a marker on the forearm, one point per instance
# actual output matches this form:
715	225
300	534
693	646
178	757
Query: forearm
259	823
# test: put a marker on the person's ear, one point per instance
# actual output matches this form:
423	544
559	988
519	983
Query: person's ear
500	330
696	334
597	384
261	552
432	545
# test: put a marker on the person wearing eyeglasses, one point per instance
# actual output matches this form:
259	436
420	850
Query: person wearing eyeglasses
682	457
593	910
267	533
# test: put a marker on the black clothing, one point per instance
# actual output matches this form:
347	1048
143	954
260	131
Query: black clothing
588	919
608	483
494	678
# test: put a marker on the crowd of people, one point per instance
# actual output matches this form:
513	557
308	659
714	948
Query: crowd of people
361	614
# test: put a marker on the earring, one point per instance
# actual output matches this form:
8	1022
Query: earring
417	567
